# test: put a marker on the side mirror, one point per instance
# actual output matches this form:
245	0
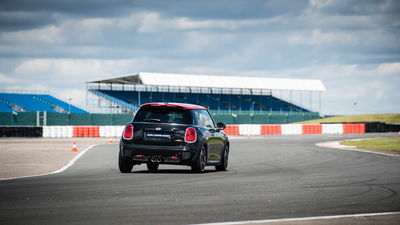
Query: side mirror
221	125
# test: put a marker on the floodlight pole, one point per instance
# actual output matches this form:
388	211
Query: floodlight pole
69	105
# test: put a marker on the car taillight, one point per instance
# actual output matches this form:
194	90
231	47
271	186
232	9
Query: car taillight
128	132
190	135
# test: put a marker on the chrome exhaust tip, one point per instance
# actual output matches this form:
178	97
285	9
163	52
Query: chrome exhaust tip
153	159
158	160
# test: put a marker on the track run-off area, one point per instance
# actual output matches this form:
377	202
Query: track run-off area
272	177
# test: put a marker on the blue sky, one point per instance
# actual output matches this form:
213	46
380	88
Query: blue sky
352	46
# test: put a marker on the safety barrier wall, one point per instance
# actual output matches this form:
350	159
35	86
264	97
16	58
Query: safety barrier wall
58	131
332	128
232	130
353	128
86	131
271	130
82	131
312	129
21	132
243	129
249	129
289	129
111	131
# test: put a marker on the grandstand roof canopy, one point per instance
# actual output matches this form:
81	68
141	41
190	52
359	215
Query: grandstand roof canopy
212	81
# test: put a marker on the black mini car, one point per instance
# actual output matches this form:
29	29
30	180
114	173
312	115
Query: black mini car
173	133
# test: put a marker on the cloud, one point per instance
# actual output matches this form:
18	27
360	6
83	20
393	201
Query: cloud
153	22
49	34
27	20
355	6
25	86
350	45
373	87
7	80
388	69
75	68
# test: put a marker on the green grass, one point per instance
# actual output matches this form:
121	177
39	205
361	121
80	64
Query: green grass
385	118
385	144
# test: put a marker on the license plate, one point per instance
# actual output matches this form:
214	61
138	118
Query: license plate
158	137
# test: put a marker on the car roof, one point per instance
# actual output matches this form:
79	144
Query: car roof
173	104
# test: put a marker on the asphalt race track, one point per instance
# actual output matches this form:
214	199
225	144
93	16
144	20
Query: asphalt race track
268	178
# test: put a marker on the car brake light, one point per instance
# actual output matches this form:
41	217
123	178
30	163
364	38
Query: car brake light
190	135
128	132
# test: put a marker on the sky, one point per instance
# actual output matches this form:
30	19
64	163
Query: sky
353	46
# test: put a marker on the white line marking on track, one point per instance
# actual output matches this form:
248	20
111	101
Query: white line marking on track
300	219
69	164
337	145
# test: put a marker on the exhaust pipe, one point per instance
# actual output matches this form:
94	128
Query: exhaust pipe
158	160
153	160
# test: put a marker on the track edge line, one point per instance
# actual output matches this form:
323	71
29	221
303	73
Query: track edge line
349	148
62	169
300	219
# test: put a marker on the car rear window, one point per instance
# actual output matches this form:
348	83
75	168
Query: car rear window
163	115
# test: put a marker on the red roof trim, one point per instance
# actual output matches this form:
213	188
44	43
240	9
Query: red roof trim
181	105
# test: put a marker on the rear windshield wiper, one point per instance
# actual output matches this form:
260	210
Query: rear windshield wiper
153	120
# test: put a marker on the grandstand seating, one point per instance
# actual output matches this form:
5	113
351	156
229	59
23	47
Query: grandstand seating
128	103
212	101
4	107
11	102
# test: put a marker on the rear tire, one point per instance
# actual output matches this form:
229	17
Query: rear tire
153	167
200	164
124	165
224	160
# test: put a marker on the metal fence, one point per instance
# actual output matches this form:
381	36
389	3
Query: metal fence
262	117
229	117
50	119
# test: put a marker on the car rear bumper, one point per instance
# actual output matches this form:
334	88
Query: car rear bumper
165	154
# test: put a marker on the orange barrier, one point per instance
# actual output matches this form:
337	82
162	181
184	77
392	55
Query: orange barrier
232	130
75	132
312	129
349	128
271	130
86	131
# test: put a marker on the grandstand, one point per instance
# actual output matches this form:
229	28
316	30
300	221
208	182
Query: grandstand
217	93
17	102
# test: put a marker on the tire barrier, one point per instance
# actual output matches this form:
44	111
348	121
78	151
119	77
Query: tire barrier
332	128
244	129
21	131
353	128
232	130
312	129
377	127
300	129
249	129
111	131
58	131
291	129
271	130
82	131
86	131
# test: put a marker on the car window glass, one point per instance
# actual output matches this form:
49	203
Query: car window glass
163	115
204	118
